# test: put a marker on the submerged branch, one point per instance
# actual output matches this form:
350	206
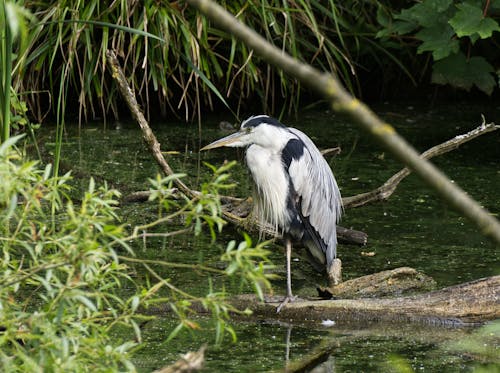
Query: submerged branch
328	86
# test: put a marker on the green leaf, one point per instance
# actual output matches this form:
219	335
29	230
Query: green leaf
426	13
438	40
383	16
86	301
206	80
464	73
469	21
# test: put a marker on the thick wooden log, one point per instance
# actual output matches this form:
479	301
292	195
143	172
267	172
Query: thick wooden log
469	303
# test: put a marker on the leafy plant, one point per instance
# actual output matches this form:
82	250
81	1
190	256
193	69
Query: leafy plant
60	277
66	284
459	35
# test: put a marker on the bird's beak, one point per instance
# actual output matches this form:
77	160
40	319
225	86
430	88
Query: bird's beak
231	140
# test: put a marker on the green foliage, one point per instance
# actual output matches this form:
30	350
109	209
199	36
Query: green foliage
462	72
65	285
13	43
59	281
456	33
7	30
248	263
243	258
469	20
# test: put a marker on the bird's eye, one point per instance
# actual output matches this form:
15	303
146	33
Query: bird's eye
248	129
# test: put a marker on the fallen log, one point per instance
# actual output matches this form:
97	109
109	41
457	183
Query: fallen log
473	302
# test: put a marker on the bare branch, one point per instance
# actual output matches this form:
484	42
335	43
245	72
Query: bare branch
384	191
147	134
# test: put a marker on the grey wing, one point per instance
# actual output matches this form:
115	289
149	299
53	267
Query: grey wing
319	194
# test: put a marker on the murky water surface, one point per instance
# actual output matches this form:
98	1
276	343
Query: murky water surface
414	228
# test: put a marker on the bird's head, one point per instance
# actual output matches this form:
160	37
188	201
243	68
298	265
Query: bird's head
262	130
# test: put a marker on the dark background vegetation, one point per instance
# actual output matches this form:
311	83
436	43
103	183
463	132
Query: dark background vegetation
381	50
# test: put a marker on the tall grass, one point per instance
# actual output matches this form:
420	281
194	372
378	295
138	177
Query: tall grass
327	34
5	75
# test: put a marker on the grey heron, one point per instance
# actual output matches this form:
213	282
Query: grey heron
296	192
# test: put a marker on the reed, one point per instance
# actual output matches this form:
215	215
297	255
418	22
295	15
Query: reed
5	74
194	66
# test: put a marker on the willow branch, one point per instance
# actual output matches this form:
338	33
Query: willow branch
147	133
331	89
384	191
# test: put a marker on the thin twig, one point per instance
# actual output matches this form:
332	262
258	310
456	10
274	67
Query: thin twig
195	267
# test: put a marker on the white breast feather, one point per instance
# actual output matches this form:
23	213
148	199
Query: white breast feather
272	184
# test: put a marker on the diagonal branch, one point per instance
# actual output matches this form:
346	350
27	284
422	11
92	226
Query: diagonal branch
384	191
147	133
331	89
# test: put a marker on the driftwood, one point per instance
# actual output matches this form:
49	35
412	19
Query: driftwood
469	303
189	362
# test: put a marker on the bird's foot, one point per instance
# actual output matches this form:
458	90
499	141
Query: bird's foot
288	298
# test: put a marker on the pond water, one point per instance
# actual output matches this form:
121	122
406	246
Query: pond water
413	228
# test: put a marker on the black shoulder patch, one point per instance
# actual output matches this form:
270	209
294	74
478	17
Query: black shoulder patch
259	119
294	149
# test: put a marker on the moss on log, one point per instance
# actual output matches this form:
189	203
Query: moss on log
394	282
469	303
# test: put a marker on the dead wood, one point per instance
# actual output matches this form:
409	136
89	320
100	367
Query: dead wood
190	362
469	303
384	191
147	133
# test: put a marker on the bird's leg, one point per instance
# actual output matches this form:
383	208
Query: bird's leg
289	297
